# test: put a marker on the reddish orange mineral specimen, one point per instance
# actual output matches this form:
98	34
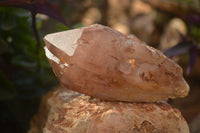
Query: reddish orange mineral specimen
101	62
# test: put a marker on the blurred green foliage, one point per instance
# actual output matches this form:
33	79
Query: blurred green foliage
195	33
25	74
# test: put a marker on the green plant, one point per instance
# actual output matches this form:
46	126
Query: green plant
25	74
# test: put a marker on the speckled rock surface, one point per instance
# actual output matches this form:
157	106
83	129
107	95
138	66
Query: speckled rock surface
65	111
101	62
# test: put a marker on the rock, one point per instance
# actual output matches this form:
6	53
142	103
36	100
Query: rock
121	27
65	111
143	26
142	21
93	15
171	34
176	7
101	62
139	7
118	16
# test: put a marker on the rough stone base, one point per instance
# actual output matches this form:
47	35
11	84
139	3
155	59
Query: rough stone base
65	111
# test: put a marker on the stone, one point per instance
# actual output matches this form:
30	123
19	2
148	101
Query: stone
171	35
118	15
101	62
143	26
93	15
139	7
65	111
